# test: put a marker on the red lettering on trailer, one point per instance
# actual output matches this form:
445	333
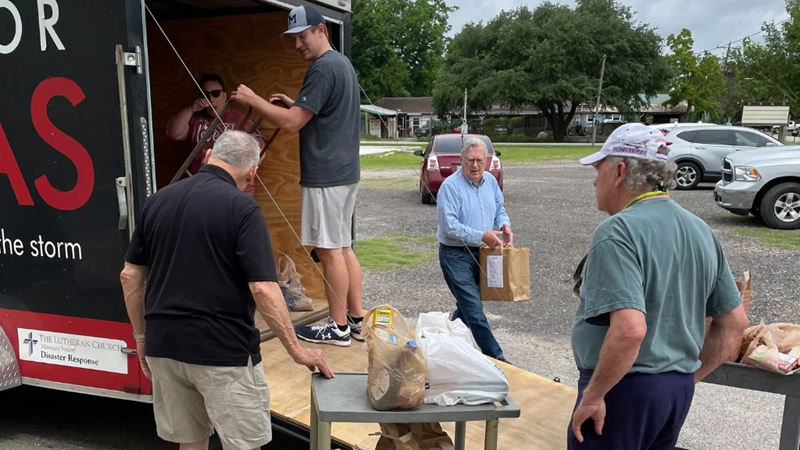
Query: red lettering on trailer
8	166
79	195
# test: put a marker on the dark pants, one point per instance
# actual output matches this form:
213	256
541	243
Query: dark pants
643	412
462	273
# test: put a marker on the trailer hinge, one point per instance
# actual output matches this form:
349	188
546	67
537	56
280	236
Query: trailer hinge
134	59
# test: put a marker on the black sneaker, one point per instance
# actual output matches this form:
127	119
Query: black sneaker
325	333
355	329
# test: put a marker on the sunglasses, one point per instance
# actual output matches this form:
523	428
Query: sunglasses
577	277
213	94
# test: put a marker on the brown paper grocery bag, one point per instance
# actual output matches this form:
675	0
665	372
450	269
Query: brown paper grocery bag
414	436
505	274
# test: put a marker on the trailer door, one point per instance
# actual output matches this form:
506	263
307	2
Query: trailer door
66	205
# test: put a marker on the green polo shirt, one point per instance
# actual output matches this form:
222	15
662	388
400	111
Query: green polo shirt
660	259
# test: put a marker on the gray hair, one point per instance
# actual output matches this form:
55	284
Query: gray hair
237	148
645	175
472	143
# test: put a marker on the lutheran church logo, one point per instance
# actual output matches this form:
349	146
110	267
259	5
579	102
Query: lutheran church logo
30	342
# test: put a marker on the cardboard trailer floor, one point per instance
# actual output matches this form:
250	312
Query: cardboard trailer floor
546	405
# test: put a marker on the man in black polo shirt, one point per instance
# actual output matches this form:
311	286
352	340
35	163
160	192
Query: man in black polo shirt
204	250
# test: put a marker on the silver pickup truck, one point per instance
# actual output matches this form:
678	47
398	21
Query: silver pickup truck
764	183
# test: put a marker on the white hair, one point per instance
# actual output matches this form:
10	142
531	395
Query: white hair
646	174
237	148
472	143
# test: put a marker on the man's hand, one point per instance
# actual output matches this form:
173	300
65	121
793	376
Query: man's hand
142	360
244	95
313	359
492	239
508	236
200	104
594	409
282	98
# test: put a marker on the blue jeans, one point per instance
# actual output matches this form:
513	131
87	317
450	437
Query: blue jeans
462	273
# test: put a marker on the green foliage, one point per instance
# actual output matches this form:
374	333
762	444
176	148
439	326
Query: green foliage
771	71
398	45
509	154
698	79
550	58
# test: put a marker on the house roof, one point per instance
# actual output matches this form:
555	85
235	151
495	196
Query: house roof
408	105
378	111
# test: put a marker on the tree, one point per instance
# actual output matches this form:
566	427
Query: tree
770	71
698	80
550	58
398	45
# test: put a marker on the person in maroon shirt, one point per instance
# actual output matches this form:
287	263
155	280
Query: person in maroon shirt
193	121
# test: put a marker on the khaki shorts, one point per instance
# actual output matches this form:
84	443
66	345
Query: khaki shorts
328	216
191	401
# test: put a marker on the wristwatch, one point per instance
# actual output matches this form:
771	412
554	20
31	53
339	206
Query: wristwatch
138	336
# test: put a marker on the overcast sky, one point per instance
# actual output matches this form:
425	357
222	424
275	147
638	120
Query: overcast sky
712	22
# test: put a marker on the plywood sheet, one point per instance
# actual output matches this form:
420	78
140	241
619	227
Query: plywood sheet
546	405
241	49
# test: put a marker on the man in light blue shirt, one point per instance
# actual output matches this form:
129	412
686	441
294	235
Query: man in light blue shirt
469	208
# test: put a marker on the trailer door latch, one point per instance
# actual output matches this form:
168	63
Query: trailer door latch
134	59
128	351
122	200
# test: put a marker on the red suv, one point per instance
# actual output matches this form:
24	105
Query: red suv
442	158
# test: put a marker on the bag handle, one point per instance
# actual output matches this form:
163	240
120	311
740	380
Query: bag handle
293	276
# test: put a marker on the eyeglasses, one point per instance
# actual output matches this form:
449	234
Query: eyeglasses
577	277
472	161
213	94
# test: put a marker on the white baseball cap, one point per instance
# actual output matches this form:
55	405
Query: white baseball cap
634	140
302	18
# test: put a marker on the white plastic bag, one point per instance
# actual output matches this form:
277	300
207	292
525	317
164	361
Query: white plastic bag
457	371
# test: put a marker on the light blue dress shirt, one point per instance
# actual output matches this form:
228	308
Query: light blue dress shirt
466	210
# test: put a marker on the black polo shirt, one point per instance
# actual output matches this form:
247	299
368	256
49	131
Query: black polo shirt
202	240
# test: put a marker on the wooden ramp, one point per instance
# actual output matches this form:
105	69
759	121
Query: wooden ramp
546	405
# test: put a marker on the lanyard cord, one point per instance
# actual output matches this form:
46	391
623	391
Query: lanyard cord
647	195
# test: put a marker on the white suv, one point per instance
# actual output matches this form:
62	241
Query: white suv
699	150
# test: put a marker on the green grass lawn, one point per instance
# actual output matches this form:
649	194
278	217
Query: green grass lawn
785	239
509	154
387	253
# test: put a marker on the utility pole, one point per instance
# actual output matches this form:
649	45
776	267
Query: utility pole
464	126
597	106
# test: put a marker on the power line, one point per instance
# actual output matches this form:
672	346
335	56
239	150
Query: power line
742	39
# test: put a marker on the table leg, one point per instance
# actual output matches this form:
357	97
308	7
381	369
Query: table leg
461	435
314	422
492	430
323	435
790	430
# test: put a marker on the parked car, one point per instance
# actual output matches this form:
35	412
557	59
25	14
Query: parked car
699	150
442	157
763	183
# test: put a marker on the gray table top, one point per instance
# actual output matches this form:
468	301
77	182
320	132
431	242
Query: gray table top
753	378
344	399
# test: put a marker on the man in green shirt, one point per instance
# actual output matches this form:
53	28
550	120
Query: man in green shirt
653	274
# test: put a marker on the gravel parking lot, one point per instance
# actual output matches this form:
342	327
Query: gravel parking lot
552	211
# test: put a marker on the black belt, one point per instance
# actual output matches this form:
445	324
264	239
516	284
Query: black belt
462	248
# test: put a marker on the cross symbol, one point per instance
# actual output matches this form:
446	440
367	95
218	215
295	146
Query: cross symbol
30	342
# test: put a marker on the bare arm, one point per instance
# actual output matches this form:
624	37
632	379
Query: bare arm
619	352
273	309
133	279
724	334
178	125
291	120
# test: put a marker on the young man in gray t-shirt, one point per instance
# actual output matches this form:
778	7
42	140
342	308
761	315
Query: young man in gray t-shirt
326	113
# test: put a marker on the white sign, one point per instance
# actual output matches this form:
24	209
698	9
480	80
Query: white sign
73	350
494	271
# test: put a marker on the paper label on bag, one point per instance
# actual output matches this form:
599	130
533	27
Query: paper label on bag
494	271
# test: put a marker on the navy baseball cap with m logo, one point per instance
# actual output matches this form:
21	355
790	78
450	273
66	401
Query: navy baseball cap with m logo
302	18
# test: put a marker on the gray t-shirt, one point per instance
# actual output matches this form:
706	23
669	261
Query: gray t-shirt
329	143
658	258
